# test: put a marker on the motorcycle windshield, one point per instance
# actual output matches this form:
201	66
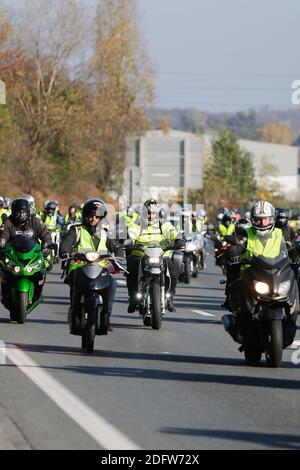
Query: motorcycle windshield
23	244
271	263
154	252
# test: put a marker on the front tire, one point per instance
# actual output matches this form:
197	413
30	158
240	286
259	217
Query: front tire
21	308
187	272
275	346
156	306
88	338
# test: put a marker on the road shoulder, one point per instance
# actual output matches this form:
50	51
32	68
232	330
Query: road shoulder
11	437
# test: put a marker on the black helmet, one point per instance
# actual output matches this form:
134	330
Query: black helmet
241	226
282	217
227	219
20	211
93	207
51	207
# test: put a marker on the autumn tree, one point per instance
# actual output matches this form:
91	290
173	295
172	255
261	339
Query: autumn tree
123	77
275	133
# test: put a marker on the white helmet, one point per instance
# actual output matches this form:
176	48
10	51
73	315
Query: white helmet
201	213
31	202
263	218
185	213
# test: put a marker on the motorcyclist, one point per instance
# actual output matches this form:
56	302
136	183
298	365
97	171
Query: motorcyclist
232	256
90	235
21	222
150	228
73	216
282	222
262	239
184	223
226	226
31	201
7	205
3	211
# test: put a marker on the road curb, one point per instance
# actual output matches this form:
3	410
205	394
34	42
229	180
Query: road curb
10	436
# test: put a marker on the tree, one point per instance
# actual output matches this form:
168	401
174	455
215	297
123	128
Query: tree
229	175
123	76
275	133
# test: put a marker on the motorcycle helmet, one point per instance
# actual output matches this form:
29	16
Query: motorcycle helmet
1	202
31	202
201	214
20	210
151	211
93	208
241	226
281	217
51	207
263	218
227	219
7	203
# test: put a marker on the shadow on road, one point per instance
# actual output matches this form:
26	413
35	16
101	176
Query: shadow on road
285	441
48	322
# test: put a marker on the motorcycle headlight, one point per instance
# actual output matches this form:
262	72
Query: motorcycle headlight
284	288
29	269
262	288
17	269
92	256
154	260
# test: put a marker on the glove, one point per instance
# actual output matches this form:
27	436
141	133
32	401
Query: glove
64	255
46	252
179	244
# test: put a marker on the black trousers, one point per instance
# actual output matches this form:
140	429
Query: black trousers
133	264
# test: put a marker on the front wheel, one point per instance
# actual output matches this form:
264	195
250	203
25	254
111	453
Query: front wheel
156	306
88	338
21	308
275	345
187	272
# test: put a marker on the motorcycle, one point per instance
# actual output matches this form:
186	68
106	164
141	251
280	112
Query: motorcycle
265	304
193	257
23	274
153	290
88	315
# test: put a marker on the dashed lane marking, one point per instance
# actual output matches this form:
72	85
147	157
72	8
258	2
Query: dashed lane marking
204	314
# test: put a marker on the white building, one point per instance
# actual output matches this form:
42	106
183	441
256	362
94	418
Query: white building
173	162
169	163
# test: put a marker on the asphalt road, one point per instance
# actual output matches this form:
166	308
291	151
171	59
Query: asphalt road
183	387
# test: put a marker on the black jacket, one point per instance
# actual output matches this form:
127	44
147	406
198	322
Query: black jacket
69	242
34	228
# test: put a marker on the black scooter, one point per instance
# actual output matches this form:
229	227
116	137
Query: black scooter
88	274
265	304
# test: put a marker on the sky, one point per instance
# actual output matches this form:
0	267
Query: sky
223	55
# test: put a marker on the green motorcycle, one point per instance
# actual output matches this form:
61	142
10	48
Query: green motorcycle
23	274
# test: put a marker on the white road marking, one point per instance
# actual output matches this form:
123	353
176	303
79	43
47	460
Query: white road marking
93	424
295	345
121	283
205	314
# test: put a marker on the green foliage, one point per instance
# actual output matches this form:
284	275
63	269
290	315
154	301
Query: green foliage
229	175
